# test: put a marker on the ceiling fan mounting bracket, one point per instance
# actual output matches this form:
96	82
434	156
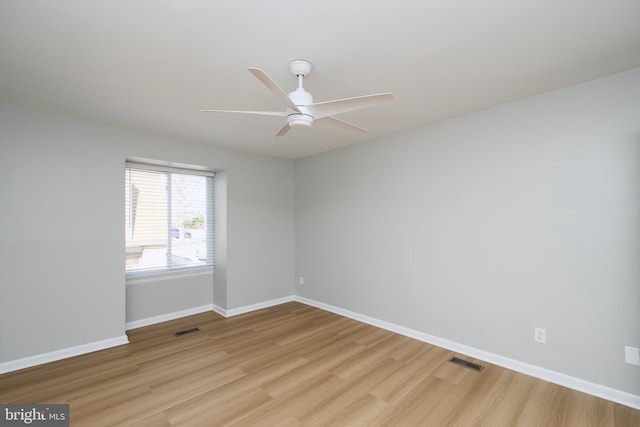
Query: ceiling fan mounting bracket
300	67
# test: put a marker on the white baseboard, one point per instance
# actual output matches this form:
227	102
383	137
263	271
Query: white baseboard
221	311
209	307
258	306
574	383
169	316
554	377
39	359
28	362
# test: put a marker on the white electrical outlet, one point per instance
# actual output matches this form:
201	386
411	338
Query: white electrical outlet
301	281
540	335
631	355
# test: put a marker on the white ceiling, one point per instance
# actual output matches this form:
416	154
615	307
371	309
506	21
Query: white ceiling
153	64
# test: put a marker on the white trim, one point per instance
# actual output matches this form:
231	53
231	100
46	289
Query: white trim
64	353
136	277
221	311
259	306
171	167
168	316
554	377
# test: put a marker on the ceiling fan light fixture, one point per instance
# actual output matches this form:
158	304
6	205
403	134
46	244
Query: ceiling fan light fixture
300	121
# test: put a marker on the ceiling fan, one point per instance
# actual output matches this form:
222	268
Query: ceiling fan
301	111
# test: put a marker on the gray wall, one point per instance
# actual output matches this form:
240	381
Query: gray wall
62	248
479	228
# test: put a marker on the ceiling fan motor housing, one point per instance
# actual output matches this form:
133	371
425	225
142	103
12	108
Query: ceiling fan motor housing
303	118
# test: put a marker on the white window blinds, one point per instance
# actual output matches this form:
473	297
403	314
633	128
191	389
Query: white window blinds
168	218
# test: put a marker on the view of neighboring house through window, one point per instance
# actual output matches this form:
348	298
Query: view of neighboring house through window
168	218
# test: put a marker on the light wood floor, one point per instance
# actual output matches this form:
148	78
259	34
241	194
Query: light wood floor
294	365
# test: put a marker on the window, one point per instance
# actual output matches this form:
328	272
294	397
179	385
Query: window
168	218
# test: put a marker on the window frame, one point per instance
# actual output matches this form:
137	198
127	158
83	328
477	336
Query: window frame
169	271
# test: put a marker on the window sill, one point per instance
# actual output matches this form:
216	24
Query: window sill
154	276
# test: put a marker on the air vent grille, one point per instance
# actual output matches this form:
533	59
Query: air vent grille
186	331
466	364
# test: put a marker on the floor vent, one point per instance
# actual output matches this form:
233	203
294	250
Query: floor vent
186	331
466	364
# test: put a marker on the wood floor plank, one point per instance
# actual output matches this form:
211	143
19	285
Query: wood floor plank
503	404
361	413
354	397
464	397
314	368
419	401
625	417
205	410
296	365
401	382
362	361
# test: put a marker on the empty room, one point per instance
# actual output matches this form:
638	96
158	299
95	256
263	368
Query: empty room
285	213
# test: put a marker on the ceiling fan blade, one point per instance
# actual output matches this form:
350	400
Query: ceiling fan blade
262	113
284	130
335	123
273	87
331	108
